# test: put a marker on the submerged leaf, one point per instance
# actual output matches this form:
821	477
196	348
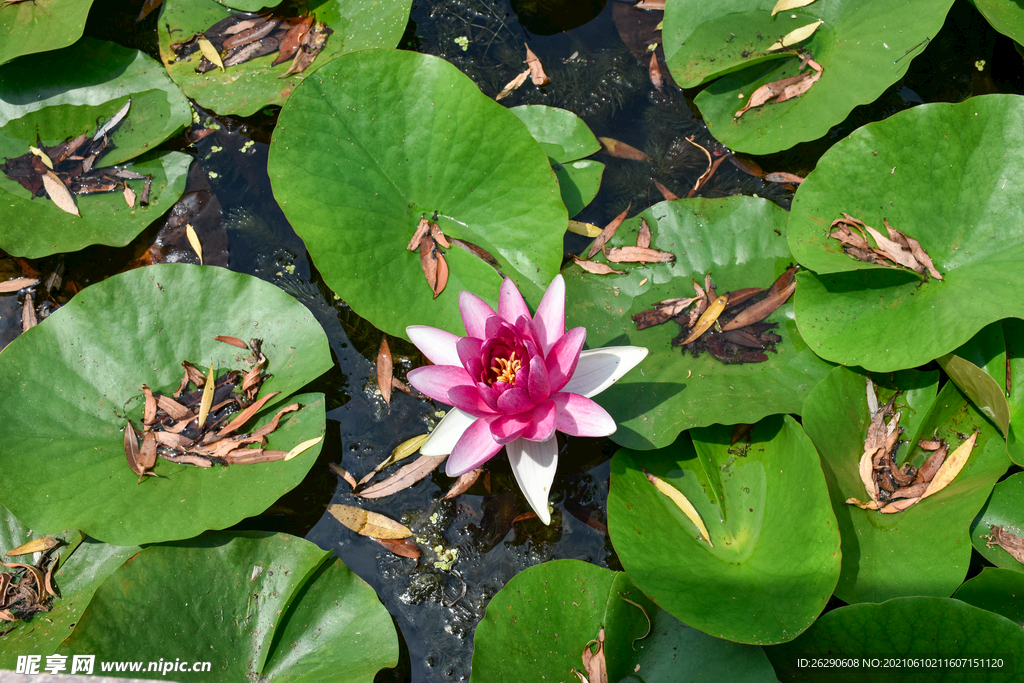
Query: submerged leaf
405	477
366	523
537	74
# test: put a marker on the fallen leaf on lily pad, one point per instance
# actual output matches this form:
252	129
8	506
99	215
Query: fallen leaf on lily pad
685	505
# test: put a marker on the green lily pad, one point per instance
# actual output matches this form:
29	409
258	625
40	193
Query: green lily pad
1005	508
706	235
996	590
70	89
539	623
65	386
978	385
293	614
380	138
882	319
1013	340
937	629
764	502
922	550
1005	16
862	47
245	88
28	27
85	564
566	140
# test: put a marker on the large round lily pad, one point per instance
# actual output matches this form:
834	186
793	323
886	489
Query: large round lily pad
904	631
996	590
66	384
940	174
1004	508
862	48
765	505
28	27
566	140
539	623
923	550
378	139
741	242
84	565
252	604
244	88
1005	16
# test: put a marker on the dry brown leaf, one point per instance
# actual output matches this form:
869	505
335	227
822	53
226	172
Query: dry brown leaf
748	166
1011	543
28	313
537	74
655	71
783	177
512	85
421	229
931	466
899	505
234	341
402	547
58	192
595	267
244	416
952	466
643	236
291	41
131	448
655	5
594	662
668	194
682	503
463	483
129	196
607	233
402	451
17	284
915	249
870	505
621	150
435	268
778	294
385	370
438	235
404	478
638	255
343	473
147	8
36	545
893	251
366	523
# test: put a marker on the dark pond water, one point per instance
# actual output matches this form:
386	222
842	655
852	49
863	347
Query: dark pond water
474	544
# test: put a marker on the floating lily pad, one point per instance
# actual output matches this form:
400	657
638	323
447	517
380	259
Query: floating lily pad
912	628
996	590
741	242
295	615
539	623
28	27
66	384
1005	16
566	140
378	139
1005	508
964	211
85	564
922	550
244	88
862	47
764	502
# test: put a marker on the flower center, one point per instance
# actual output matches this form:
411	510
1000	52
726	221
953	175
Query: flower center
506	369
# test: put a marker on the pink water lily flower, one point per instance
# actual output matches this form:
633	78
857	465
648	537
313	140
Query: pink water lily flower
515	380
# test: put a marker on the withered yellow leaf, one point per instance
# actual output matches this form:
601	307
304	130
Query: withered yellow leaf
585	229
951	467
193	239
680	500
60	194
34	546
303	447
707	319
129	196
42	155
796	35
210	52
207	400
366	523
783	5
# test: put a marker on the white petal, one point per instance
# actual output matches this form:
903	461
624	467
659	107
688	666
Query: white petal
447	433
598	369
437	345
534	464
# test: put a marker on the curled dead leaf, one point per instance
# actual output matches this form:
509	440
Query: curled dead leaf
537	74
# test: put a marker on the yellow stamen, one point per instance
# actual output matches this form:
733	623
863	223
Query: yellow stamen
507	369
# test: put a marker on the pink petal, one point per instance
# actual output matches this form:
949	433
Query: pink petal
579	416
475	313
508	428
549	322
537	381
510	302
436	380
476	447
542	422
447	433
534	464
489	395
437	345
515	400
467	350
564	355
468	399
